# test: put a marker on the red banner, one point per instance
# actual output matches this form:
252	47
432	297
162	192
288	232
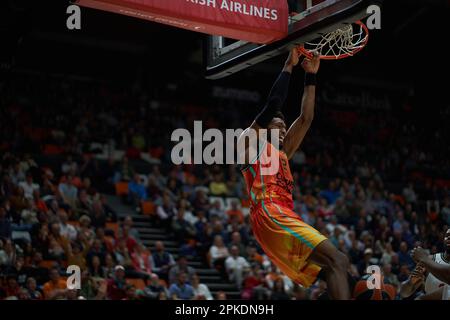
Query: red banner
259	21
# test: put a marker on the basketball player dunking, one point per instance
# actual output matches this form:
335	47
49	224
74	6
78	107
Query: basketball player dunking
295	247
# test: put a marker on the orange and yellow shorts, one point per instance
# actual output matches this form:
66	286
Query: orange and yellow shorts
286	240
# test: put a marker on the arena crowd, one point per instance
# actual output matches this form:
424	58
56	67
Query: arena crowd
375	186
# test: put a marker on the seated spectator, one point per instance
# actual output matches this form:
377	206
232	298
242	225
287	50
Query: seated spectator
201	201
235	266
12	287
404	257
140	258
116	286
218	253
389	277
154	288
252	285
235	213
68	191
98	216
106	242
69	165
331	194
236	241
91	287
76	253
217	211
97	249
122	254
161	261
368	260
403	273
278	292
35	269
85	228
55	288
125	236
131	292
96	270
33	291
218	187
181	266
166	210
201	291
111	215
83	204
56	250
29	187
137	191
66	230
180	290
182	229
109	265
132	232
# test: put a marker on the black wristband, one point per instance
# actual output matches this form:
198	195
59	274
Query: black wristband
310	79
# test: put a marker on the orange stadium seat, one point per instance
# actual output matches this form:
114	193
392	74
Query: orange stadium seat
148	208
48	264
121	188
138	283
114	226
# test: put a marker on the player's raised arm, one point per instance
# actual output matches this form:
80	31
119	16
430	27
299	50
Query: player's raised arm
275	100
298	129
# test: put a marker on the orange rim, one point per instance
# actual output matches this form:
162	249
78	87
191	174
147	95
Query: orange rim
307	53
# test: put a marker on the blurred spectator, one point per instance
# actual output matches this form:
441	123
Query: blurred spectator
28	186
33	291
181	267
236	240
278	292
116	286
218	186
235	266
181	290
66	230
201	291
140	258
235	213
161	261
55	288
218	253
155	288
137	191
221	295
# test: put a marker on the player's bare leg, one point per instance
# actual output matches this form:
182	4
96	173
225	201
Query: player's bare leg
335	265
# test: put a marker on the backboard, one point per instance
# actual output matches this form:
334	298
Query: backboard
308	20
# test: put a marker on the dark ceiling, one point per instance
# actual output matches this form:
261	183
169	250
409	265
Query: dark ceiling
407	50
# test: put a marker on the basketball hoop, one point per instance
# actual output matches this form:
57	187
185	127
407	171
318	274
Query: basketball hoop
339	44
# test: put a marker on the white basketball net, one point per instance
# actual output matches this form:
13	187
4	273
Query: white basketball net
340	42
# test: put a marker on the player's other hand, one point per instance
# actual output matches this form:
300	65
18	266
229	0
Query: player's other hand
294	58
419	254
312	65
